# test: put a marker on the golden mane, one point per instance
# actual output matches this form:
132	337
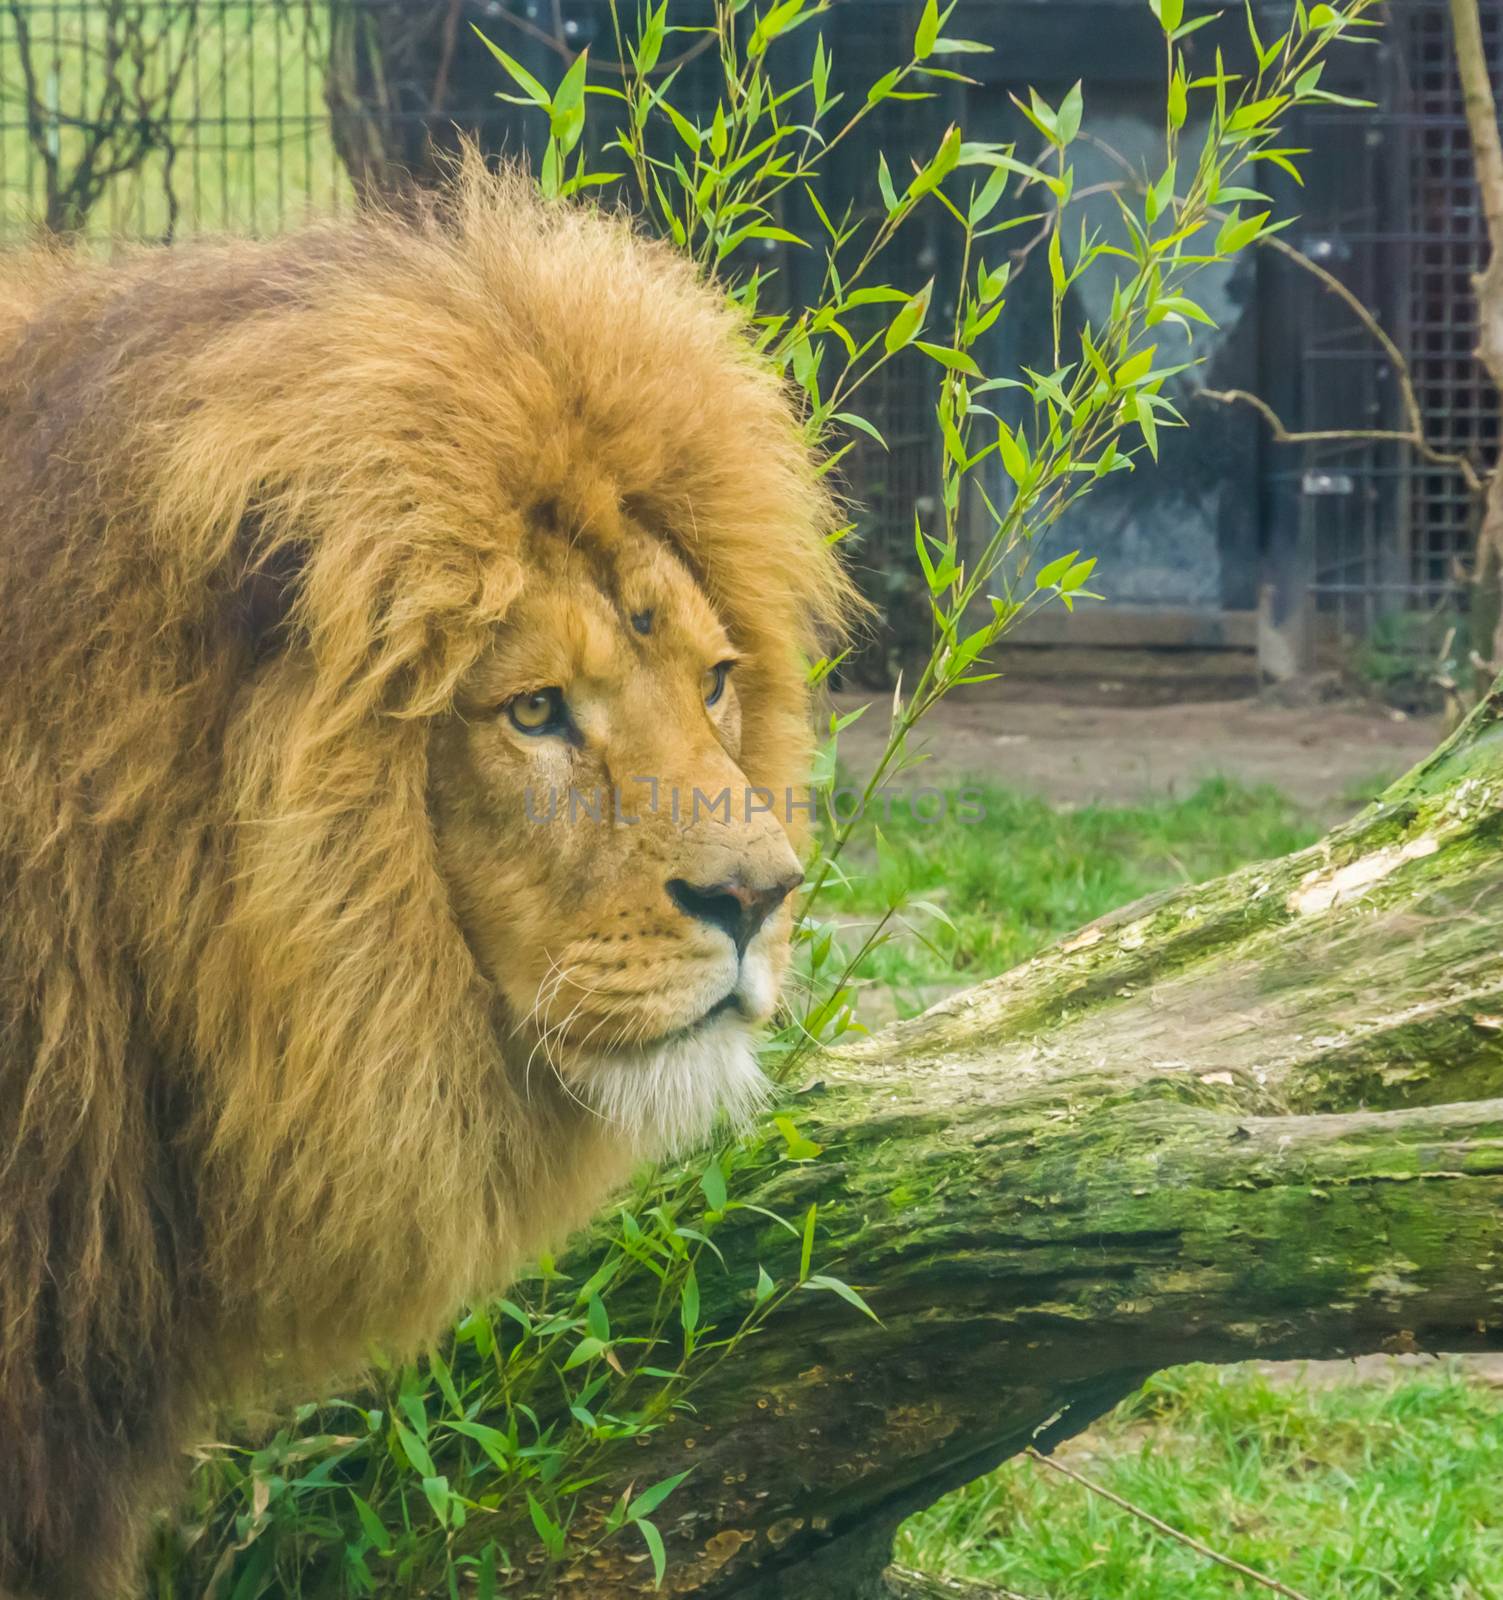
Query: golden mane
251	1096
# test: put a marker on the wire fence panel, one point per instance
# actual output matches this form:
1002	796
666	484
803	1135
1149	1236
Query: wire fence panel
159	119
153	118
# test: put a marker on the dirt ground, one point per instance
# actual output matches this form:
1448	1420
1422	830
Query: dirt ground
1327	758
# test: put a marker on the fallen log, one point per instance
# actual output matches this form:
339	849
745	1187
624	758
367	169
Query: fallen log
1261	1117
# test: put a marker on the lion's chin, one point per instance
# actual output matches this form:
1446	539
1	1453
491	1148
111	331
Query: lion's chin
666	1096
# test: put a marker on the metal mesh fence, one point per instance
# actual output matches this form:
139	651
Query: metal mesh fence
1399	221
153	118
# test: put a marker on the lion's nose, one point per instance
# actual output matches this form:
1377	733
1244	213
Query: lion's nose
737	908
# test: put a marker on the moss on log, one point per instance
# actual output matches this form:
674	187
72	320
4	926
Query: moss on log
1257	1117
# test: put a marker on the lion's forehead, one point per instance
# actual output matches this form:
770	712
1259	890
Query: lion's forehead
602	603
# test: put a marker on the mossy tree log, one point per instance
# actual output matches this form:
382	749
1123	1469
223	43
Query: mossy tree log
1259	1117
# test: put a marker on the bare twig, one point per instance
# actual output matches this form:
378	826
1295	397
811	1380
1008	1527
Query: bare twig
1283	435
1380	335
446	57
1260	1578
906	1583
123	124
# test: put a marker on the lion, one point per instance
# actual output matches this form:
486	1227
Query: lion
403	725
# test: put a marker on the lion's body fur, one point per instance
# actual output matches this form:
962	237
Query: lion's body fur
252	1098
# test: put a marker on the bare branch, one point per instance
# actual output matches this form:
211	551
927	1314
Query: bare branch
904	1583
1283	435
1260	1578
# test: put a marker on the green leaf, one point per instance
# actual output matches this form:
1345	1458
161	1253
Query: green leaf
1237	232
1013	452
1136	366
875	295
586	1350
926	35
445	1379
1069	114
414	1449
851	420
1144	413
650	1499
806	1250
954	360
1179	100
1077	575
904	328
1255	113
520	75
798	1148
511	1309
770	26
937	170
1057	265
547	1529
990	193
883	86
1169	12
436	1489
1161	194
1046	577
650	46
821	76
686	129
497	1445
371	1526
1178	305
884	185
712	1185
765	1285
571	90
820	1280
550	180
1040	114
654	1542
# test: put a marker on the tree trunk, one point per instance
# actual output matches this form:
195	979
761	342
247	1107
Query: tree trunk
407	80
1487	159
1259	1117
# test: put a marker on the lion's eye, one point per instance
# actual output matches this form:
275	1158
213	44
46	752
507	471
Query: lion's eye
542	711
712	684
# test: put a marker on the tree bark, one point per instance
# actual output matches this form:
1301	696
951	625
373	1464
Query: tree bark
407	81
1260	1117
1487	159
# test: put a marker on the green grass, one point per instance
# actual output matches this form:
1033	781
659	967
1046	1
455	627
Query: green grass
1026	873
1365	1491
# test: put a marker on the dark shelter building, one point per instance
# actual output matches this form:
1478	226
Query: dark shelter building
1242	551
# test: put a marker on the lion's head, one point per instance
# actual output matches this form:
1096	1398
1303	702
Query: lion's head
403	727
615	871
